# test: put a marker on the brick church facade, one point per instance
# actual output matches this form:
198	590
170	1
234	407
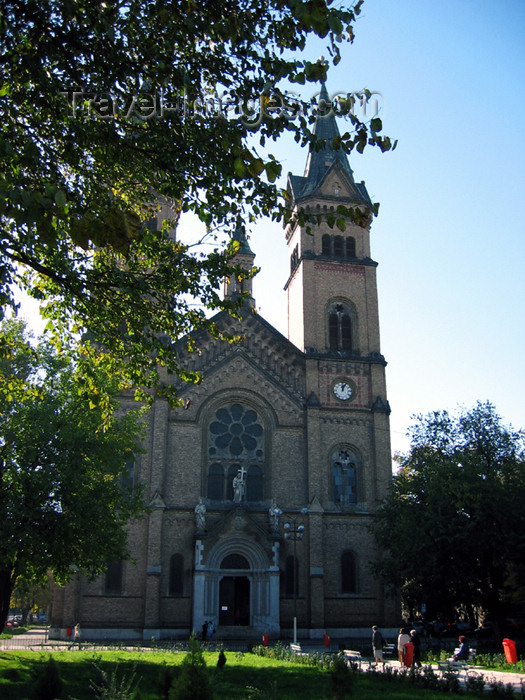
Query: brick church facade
262	487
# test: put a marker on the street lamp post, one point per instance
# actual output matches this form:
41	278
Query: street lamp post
294	531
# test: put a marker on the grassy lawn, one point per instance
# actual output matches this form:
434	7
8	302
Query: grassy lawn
244	676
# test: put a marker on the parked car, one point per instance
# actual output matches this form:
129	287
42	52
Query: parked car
516	624
485	631
419	626
454	629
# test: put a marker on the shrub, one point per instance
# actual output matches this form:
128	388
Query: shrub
497	689
109	687
341	678
167	675
193	682
475	683
450	682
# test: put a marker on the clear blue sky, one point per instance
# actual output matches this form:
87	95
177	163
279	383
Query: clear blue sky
450	236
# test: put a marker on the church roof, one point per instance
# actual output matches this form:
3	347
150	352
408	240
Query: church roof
320	162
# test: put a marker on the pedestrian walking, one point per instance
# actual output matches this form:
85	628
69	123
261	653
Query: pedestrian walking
402	639
416	641
378	642
76	636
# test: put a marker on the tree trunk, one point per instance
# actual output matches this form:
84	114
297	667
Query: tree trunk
6	588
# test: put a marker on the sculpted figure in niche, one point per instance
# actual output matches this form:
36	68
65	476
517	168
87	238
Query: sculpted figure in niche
238	486
273	513
200	515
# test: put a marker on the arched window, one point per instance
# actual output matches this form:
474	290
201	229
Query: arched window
340	328
254	487
176	584
216	482
344	477
113	579
291	576
233	470
325	244
350	247
338	247
348	573
235	444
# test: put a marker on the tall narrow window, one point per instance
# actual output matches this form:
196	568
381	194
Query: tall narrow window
232	473
291	579
346	332
113	580
176	585
348	573
350	247
254	487
344	477
340	328
216	482
333	330
325	244
338	246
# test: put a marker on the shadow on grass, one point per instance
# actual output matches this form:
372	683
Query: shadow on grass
249	677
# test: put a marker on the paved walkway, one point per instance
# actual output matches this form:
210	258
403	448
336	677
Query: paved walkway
517	680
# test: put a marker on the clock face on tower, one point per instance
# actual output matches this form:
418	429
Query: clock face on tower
343	391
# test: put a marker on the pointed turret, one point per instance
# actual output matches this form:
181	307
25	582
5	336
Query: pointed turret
326	157
244	257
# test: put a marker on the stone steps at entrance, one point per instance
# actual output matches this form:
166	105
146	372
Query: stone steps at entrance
237	632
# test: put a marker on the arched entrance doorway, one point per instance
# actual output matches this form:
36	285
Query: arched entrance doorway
234	592
234	601
236	584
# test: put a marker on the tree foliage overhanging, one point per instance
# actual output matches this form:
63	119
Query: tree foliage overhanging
65	492
107	107
453	527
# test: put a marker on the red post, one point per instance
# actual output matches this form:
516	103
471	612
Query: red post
266	637
326	640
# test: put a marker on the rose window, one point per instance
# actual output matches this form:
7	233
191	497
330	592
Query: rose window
236	432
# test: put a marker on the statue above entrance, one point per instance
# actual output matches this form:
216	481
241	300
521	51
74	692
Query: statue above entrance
239	486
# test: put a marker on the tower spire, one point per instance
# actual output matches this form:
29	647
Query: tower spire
326	131
326	155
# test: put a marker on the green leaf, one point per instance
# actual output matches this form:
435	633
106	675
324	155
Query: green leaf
239	167
376	124
60	199
273	170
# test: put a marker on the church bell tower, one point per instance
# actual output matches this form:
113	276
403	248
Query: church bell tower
333	314
332	291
